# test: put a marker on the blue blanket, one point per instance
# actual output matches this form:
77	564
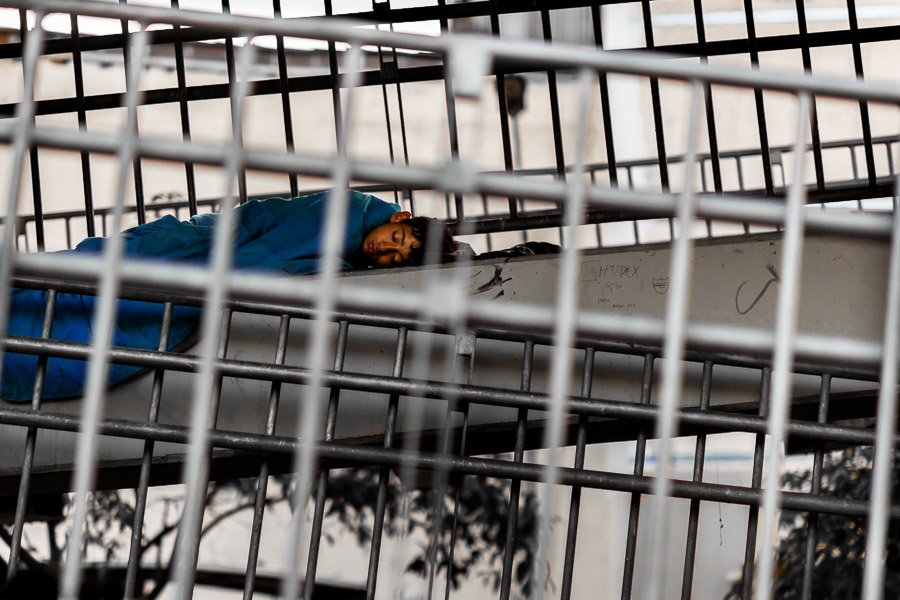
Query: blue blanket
274	235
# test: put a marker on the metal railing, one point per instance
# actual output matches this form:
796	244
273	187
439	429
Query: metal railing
423	319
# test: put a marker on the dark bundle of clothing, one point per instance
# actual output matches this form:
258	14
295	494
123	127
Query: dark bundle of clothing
526	249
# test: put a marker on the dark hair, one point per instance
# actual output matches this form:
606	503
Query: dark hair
422	229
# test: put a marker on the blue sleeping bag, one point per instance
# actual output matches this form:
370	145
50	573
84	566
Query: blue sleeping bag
273	235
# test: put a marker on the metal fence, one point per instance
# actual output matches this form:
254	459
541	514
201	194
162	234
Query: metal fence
438	330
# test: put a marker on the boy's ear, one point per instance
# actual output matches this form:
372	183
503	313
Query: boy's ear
403	215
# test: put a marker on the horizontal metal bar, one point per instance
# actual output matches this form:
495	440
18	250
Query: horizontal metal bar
435	390
302	291
237	304
484	467
542	55
455	178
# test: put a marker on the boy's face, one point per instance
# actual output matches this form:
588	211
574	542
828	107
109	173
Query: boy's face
390	244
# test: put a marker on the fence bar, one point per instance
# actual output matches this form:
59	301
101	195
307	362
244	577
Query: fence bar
515	486
505	138
196	466
758	94
759	451
23	132
690	549
662	157
863	105
34	162
680	274
185	113
635	510
813	113
136	161
229	63
140	493
388	73
86	180
604	103
305	456
710	110
343	454
385	473
880	495
262	484
452	123
441	484
285	97
102	329
315	535
563	334
587	380
15	545
785	330
812	518
335	79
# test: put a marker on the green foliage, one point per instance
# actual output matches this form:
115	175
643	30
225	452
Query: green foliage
839	557
481	523
476	532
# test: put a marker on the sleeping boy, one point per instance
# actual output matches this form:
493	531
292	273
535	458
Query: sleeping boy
274	235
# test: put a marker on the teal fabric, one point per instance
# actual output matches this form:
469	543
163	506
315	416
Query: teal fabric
274	235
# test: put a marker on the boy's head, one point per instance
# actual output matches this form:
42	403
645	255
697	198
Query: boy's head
403	241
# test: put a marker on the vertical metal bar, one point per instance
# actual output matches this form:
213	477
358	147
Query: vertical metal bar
554	100
604	103
459	486
440	479
575	501
263	477
86	180
336	217
197	465
185	115
785	330
694	516
758	94
385	77
140	494
385	472
102	326
710	111
662	157
812	519
136	166
515	486
24	130
34	165
15	546
315	535
221	352
504	112
680	273
409	191
863	105
229	61
755	483
554	112
813	117
566	308
880	496
452	125
635	510
335	79
285	98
